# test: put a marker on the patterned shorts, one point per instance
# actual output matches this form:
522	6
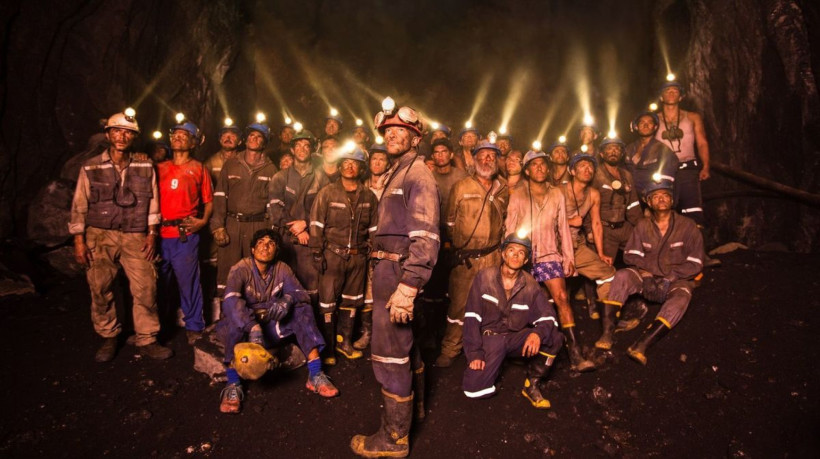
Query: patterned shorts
547	270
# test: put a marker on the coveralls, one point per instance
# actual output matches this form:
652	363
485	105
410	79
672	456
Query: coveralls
655	157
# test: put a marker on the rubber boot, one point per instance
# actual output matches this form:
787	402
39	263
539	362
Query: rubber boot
393	437
591	295
345	329
367	326
537	369
577	361
607	325
328	327
418	383
653	333
216	310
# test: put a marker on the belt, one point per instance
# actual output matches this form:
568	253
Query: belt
691	164
385	255
491	333
613	225
261	314
344	251
476	253
247	217
176	222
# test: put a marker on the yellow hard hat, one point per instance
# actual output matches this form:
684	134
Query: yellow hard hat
252	361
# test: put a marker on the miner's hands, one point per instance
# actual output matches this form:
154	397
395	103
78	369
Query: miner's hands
531	345
477	365
82	254
400	304
193	224
150	246
221	237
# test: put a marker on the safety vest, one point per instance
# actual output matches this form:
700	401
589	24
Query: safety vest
110	202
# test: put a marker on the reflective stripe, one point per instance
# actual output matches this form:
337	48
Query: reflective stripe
665	322
98	166
393	360
217	169
234	176
277	288
326	305
277	201
397	191
454	321
373	228
470	195
338	205
141	165
668	177
319	224
232	294
696	260
550	318
636	203
635	252
290	190
676	244
606	187
681	288
481	393
691	209
278	332
264	179
473	315
219	193
352	297
604	281
311	292
368	301
222	286
522	307
423	233
451	223
490	297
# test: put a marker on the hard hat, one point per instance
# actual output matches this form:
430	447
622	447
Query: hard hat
446	130
304	134
672	84
354	153
515	238
531	155
260	128
404	117
557	144
188	127
633	126
472	129
654	186
486	145
377	147
122	121
335	116
582	157
609	140
252	361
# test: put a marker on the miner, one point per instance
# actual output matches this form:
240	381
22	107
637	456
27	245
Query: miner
286	133
265	304
328	169
508	315
333	123
515	162
230	138
405	247
539	209
559	158
664	255
241	201
504	142
620	208
587	134
184	188
440	131
341	220
648	158
114	219
467	140
476	210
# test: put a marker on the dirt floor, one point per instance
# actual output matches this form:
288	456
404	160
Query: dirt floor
738	377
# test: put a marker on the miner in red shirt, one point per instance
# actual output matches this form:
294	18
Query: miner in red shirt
184	188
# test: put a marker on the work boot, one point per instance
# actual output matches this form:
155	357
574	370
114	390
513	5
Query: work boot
418	383
537	369
590	296
107	350
231	399
345	347
321	384
156	351
607	325
393	437
367	326
636	309
653	333
328	327
577	361
445	361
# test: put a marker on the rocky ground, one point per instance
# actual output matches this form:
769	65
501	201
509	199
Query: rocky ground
738	377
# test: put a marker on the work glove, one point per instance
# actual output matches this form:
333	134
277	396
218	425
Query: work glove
221	237
401	304
655	289
279	308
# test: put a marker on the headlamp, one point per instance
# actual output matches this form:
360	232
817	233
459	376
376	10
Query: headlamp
157	135
434	125
288	120
297	126
379	139
584	148
588	120
260	117
612	134
468	124
130	113
522	233
180	117
562	139
228	122
670	77
653	107
492	137
657	177
536	145
348	146
388	105
359	122
502	130
334	112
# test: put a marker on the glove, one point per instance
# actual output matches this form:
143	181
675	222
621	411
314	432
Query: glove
279	308
319	262
401	304
221	237
655	290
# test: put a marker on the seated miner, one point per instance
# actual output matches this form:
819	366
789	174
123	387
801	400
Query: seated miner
264	304
508	315
664	254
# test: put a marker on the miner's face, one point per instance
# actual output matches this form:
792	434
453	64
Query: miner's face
255	141
329	150
537	170
378	163
559	155
119	138
229	140
660	200
612	154
513	163
399	140
587	135
285	161
360	135
468	140
286	135
583	171
182	140
505	146
437	135
670	95
486	163
350	169
159	154
301	150
442	155
264	250
515	256
646	126
332	127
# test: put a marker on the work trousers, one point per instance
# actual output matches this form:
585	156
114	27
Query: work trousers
180	260
109	247
629	282
589	265
615	238
241	234
688	199
343	278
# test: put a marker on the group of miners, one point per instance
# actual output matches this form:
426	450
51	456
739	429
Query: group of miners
414	238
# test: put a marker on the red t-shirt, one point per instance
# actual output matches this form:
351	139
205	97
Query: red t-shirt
182	189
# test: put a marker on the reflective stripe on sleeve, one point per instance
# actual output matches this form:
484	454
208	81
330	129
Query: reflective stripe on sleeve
423	233
480	393
695	260
473	315
319	224
549	318
636	203
392	360
635	252
521	307
691	209
604	281
490	298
